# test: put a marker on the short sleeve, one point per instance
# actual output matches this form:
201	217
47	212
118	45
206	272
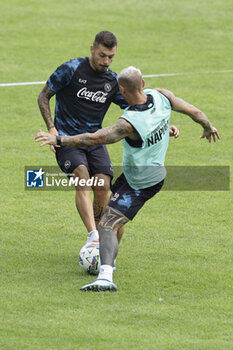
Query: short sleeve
120	101
63	75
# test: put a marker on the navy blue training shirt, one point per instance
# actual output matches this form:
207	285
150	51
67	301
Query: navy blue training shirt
83	96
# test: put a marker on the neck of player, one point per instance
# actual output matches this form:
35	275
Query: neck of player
138	98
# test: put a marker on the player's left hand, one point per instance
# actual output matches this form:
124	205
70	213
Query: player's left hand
210	134
48	139
173	131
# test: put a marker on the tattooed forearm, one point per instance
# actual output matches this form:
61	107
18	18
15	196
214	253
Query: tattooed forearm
200	118
77	141
43	102
110	134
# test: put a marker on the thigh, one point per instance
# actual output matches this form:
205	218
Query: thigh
101	183
129	201
99	161
70	158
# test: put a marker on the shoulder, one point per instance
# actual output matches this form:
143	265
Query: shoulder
128	115
112	74
160	95
152	92
124	125
64	73
72	64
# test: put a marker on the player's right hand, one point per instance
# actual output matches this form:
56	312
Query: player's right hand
48	138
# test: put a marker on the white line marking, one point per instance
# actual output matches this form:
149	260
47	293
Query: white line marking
29	83
144	76
188	73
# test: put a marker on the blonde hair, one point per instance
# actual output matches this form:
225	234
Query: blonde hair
131	79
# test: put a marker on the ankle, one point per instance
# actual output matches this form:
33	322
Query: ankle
106	272
92	236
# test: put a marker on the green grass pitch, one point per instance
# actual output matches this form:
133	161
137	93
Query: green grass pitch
174	268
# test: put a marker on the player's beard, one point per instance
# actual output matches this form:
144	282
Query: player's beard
103	68
100	68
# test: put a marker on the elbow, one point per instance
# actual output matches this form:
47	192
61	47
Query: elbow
39	99
42	99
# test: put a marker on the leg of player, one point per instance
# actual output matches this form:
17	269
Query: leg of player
110	223
120	233
84	203
101	197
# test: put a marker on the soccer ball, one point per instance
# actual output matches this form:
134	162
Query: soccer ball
89	258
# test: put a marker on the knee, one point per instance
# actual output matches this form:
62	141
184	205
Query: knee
102	224
81	172
100	227
103	184
81	178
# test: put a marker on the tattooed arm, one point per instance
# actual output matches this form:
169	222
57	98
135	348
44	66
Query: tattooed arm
196	114
110	134
43	102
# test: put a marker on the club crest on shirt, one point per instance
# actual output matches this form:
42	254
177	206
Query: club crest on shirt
67	164
107	87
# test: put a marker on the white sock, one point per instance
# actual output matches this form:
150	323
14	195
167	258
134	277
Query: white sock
92	236
106	272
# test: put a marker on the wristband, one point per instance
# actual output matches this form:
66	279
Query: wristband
58	139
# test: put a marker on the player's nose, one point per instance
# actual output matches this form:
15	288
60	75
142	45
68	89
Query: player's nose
106	61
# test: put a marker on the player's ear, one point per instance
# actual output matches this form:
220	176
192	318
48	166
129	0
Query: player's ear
122	89
92	49
143	83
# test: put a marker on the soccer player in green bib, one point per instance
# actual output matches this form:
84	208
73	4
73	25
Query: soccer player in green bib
144	129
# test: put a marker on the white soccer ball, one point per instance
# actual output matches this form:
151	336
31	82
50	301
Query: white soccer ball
89	258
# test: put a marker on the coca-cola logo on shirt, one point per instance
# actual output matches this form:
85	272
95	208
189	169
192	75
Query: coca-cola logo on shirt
97	96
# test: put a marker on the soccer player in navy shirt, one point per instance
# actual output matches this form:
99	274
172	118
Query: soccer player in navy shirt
84	88
144	129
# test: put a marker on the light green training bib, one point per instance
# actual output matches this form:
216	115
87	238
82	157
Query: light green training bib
144	166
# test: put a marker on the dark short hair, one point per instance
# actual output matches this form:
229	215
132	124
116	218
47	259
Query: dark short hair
106	39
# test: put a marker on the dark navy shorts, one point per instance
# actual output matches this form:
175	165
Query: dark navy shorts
129	201
95	158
